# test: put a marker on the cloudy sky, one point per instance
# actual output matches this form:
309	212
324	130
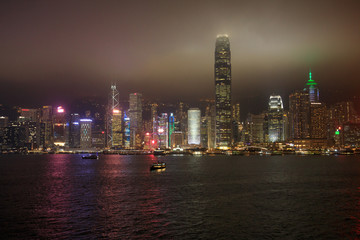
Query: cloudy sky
61	50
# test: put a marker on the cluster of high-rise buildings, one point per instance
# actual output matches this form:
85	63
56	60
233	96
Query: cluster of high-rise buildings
216	124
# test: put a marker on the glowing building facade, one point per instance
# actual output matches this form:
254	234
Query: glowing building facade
59	126
171	127
299	115
223	91
135	114
127	131
163	131
312	89
194	121
117	132
319	120
85	133
275	119
74	131
113	105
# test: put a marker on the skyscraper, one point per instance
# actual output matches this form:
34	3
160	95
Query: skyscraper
312	89
59	126
113	104
299	115
275	119
319	120
85	133
126	131
135	114
194	119
223	91
74	130
163	131
171	127
117	130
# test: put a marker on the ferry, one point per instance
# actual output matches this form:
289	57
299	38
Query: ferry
158	165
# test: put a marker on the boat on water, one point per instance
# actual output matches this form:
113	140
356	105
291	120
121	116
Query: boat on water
92	156
159	152
197	153
158	165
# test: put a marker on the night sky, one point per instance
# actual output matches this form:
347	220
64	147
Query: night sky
54	51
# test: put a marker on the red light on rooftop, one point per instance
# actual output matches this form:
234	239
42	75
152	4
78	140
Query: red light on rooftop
25	110
102	132
153	141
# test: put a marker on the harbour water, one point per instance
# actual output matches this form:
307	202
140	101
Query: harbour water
206	197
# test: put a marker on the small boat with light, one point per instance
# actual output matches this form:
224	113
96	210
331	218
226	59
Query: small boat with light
158	165
92	156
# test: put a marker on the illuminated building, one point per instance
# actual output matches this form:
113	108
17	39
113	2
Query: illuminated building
181	120
113	104
312	89
98	128
340	113
59	122
117	130
47	119
299	115
33	137
74	130
256	127
30	115
194	120
275	119
163	131
85	133
223	92
127	131
3	124
211	126
135	115
4	121
236	112
204	132
15	137
177	139
351	134
171	126
153	116
319	120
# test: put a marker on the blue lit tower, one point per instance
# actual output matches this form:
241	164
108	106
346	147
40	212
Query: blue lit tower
313	90
171	127
127	131
223	91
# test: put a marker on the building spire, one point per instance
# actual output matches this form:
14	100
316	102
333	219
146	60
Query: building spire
310	74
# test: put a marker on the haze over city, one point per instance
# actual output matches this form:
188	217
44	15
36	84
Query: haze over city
54	52
154	119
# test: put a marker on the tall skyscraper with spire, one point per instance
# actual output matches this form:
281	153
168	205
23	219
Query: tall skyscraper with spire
223	91
313	89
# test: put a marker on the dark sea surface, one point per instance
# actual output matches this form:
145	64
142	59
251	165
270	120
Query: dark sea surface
208	197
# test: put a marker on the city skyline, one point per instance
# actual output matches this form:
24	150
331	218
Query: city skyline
66	58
